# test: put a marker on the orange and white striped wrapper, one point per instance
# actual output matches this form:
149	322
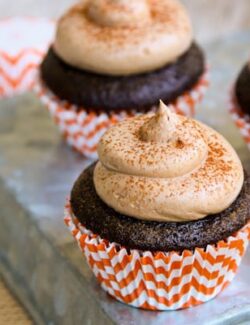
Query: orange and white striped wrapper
158	280
23	43
241	120
83	129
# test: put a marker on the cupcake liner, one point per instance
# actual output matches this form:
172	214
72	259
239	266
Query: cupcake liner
241	120
158	280
23	43
186	103
83	129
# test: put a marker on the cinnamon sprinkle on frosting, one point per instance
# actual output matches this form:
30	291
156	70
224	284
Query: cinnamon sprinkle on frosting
166	167
120	37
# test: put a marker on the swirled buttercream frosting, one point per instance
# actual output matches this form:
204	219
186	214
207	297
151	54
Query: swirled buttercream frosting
121	37
166	167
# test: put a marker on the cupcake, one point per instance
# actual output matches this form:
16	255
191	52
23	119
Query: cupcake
23	43
240	103
163	216
112	59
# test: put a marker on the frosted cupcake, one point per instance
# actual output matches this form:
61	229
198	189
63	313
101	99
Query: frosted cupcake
112	59
162	217
240	103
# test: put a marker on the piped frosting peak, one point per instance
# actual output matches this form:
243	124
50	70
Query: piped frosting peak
161	127
118	13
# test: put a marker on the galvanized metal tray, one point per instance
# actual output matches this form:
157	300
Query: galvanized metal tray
39	258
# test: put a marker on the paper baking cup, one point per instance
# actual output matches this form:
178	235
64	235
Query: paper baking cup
160	281
83	130
23	43
241	120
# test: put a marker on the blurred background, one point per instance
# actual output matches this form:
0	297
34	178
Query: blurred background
225	15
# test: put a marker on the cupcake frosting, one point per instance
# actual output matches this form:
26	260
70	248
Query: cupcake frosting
165	167
120	37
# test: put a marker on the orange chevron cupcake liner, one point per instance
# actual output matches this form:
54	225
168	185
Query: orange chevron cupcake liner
241	120
83	130
158	280
23	43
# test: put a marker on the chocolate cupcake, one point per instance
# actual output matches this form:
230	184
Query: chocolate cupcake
242	89
113	59
163	217
240	103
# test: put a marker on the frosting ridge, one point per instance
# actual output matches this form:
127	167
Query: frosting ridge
119	37
182	173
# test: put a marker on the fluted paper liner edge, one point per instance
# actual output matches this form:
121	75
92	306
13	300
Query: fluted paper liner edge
158	280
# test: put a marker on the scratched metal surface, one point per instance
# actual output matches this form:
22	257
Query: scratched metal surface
39	170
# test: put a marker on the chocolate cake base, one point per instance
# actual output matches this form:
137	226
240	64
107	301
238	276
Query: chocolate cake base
96	216
142	91
243	89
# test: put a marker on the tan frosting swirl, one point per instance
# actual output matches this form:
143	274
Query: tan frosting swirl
166	167
118	13
120	37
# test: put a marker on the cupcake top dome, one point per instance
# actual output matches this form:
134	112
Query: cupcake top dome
120	37
166	167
